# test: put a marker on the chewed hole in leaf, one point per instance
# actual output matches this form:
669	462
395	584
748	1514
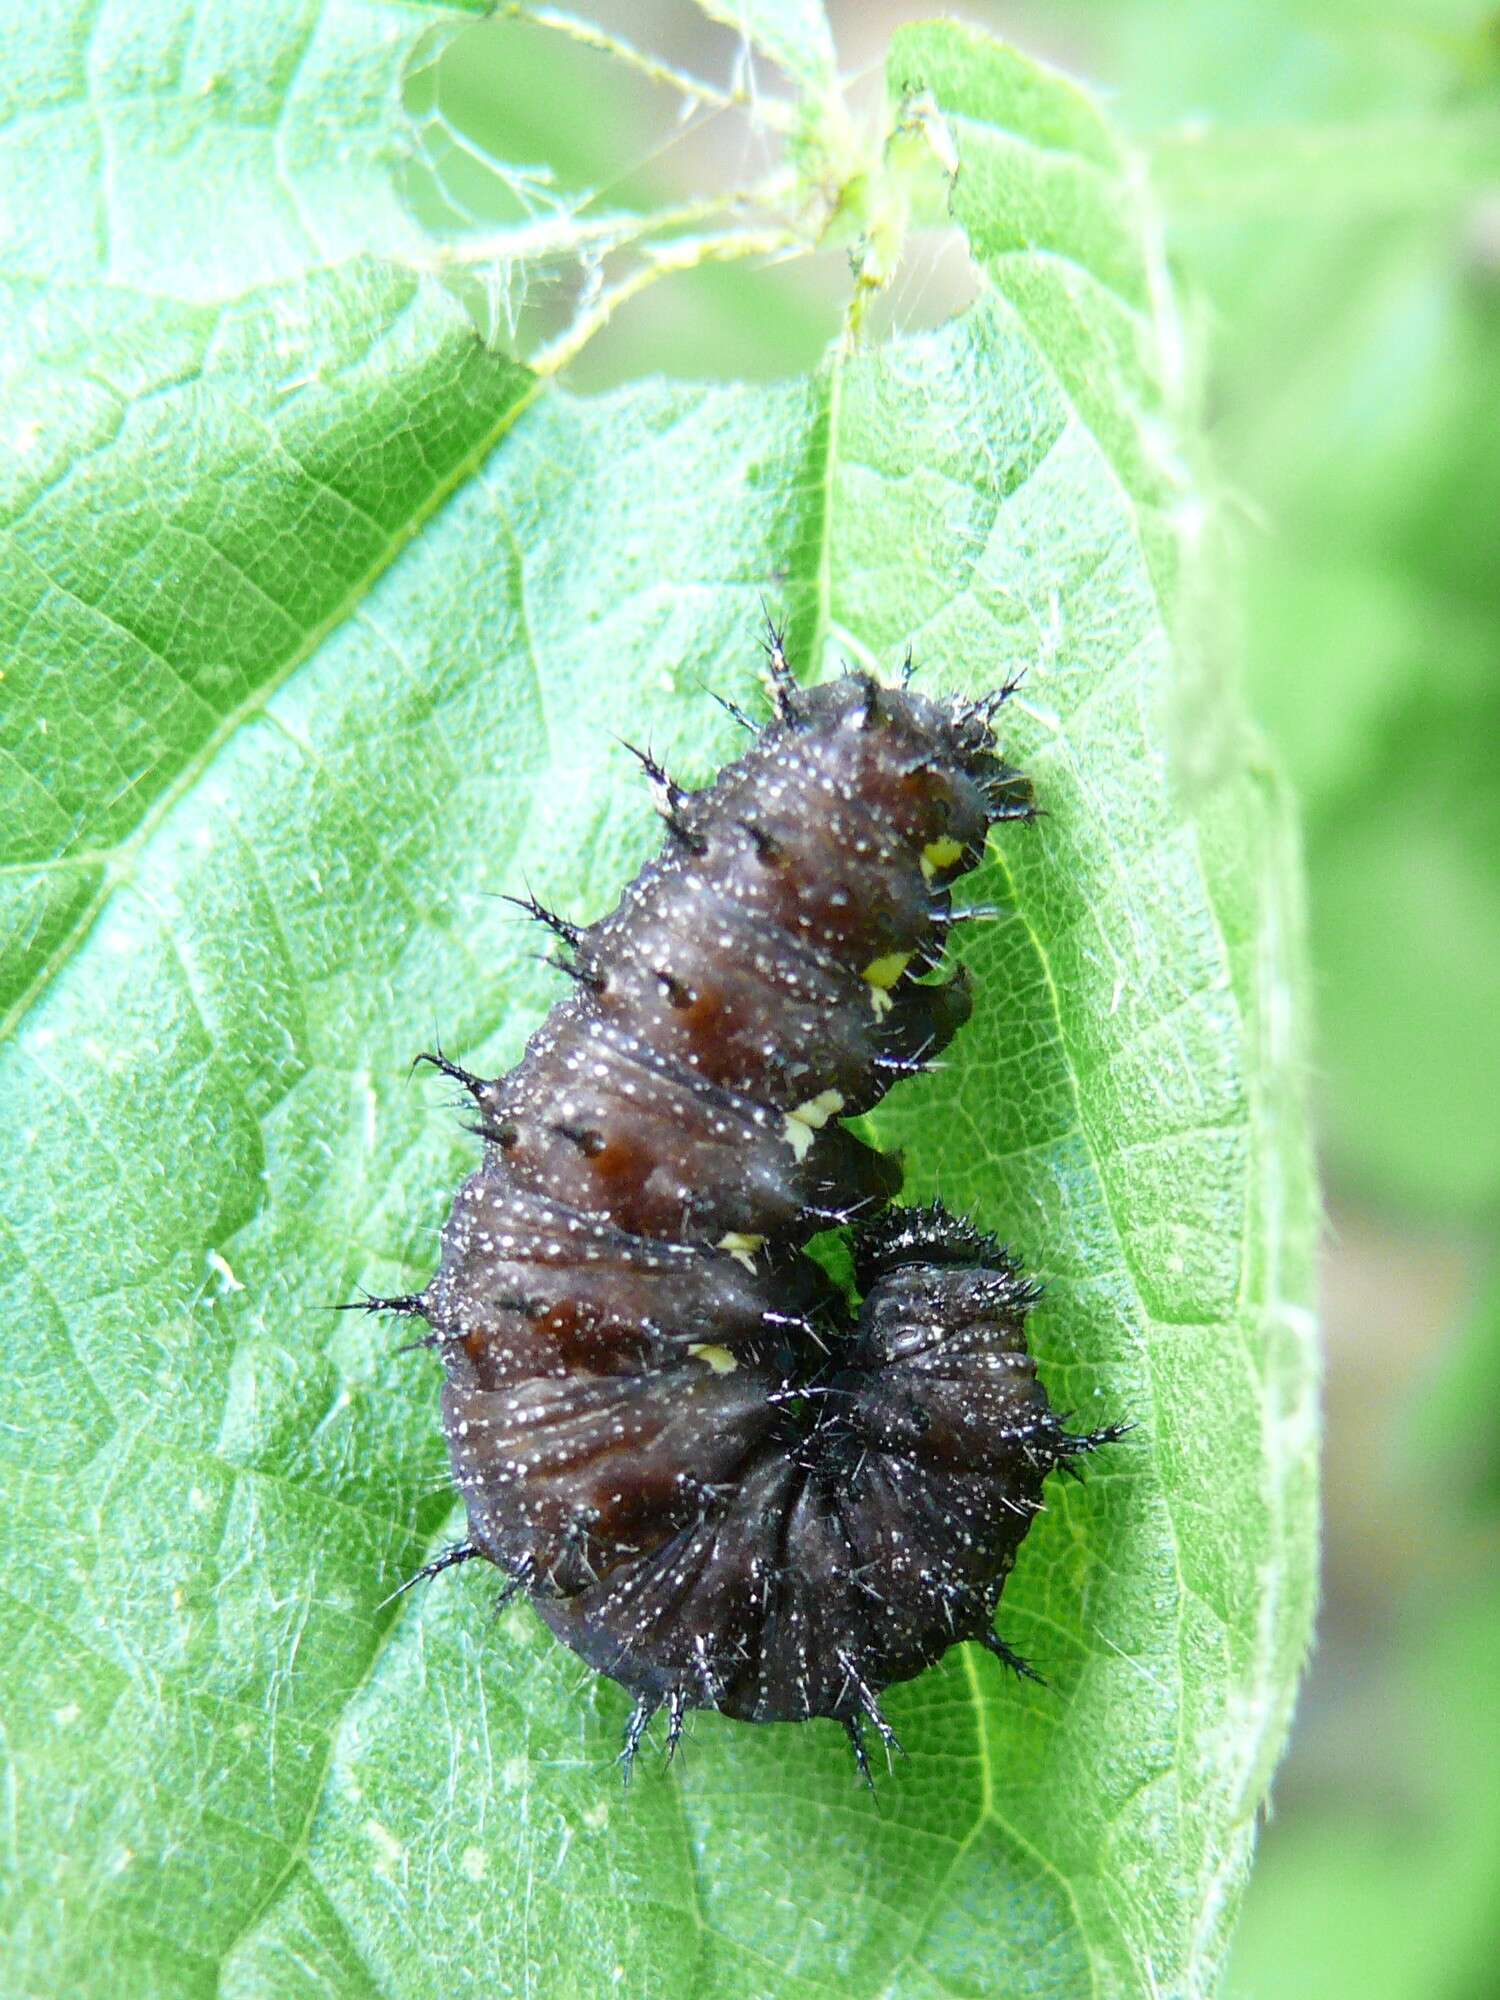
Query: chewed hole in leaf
538	215
682	209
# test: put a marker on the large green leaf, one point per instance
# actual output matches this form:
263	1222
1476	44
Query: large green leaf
321	622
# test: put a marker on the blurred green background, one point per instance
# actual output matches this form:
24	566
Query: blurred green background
1330	173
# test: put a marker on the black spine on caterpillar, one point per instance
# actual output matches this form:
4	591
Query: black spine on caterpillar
718	1486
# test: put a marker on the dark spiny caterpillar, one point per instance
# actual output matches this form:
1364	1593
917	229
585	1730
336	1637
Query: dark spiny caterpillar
718	1482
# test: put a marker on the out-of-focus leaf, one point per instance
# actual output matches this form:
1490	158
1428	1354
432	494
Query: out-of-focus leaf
1451	1430
1394	166
1330	179
1381	1885
1389	1895
1373	664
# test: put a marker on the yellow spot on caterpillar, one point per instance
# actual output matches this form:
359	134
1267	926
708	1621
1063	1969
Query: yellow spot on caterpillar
940	854
884	972
803	1120
741	1247
719	1359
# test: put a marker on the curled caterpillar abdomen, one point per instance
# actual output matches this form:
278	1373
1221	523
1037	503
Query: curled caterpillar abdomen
721	1484
870	1526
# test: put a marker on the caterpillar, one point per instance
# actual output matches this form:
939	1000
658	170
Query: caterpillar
719	1479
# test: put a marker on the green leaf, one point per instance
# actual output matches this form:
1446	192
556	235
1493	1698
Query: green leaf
321	621
194	149
202	497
